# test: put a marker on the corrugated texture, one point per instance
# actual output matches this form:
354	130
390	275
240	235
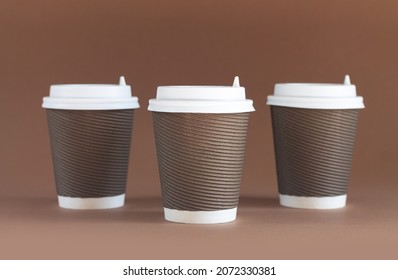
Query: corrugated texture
200	159
90	151
313	150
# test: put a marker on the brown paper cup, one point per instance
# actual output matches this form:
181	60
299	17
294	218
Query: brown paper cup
313	149
90	150
200	157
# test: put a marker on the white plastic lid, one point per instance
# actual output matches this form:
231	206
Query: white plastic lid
317	96
91	97
201	99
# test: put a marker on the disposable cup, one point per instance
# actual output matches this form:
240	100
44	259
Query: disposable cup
314	129
90	130
200	134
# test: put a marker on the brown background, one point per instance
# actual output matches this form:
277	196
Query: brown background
203	42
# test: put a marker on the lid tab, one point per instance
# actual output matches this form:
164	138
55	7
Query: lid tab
347	80
236	82
122	81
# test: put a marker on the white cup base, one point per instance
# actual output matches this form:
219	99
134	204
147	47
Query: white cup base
200	217
326	202
91	203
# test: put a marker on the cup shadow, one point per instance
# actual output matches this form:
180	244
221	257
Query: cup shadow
139	209
46	209
142	210
263	202
145	209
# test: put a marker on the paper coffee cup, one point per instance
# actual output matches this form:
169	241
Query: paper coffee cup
314	127
90	132
200	134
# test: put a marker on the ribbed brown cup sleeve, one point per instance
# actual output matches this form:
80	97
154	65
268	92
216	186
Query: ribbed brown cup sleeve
313	150
200	159
90	151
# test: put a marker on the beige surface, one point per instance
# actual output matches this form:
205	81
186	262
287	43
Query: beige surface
177	42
